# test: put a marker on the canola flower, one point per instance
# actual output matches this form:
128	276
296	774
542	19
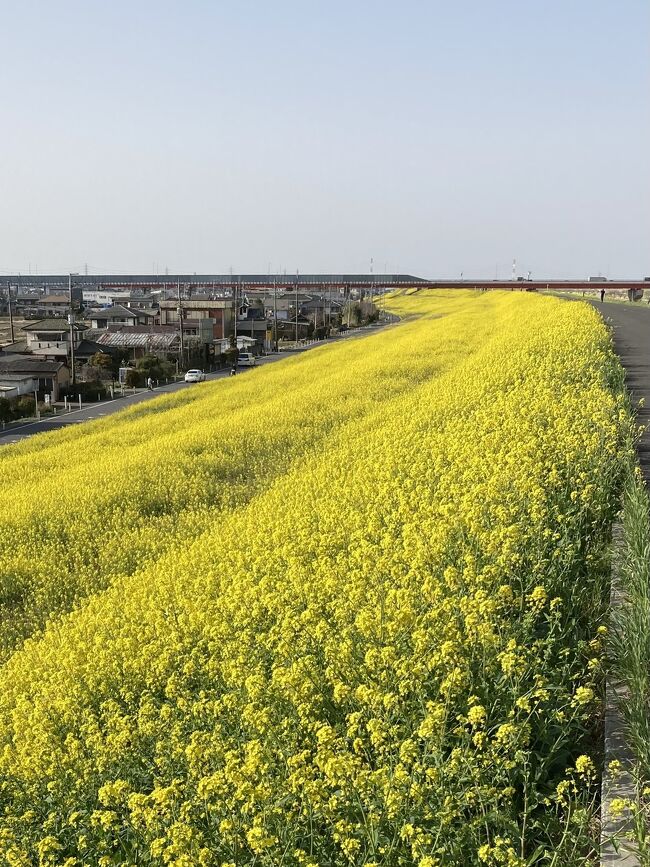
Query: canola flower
85	506
374	656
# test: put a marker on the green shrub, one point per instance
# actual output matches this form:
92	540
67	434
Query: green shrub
134	378
24	407
6	410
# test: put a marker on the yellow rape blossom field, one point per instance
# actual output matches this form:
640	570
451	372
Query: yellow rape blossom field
344	610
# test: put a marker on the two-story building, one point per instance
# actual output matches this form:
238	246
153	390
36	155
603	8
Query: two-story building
120	314
51	305
50	338
322	311
219	310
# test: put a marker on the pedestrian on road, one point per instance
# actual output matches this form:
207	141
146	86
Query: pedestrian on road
602	295
150	384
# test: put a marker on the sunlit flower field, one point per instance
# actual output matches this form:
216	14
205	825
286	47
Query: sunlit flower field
347	609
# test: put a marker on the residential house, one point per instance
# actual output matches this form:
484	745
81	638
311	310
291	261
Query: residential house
87	348
26	304
48	377
120	314
50	338
136	341
252	322
285	304
16	384
290	329
322	311
115	314
51	305
219	311
146	315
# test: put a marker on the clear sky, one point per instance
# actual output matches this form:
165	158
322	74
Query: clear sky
434	137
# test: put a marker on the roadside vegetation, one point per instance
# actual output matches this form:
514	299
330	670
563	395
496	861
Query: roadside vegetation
348	609
631	653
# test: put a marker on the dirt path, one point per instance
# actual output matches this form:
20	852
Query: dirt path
632	340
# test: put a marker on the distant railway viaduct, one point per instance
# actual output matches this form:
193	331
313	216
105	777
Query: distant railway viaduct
306	282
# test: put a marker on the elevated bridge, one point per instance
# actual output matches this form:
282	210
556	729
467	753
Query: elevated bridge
227	282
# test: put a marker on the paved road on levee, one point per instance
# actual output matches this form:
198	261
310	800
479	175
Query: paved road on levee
632	340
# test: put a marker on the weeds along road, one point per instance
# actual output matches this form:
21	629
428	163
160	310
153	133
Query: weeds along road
103	408
631	325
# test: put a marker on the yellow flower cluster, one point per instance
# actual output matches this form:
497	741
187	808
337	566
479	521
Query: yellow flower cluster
86	506
338	611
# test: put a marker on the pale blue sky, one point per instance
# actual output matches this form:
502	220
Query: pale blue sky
435	137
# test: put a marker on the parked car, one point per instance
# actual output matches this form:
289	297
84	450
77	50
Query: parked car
194	376
246	359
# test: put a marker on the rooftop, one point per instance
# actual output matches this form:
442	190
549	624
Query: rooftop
91	347
136	339
116	311
55	299
15	377
14	348
52	325
28	364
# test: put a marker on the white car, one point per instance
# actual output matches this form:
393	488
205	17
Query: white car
246	359
194	376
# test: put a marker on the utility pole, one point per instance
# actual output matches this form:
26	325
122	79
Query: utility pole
264	288
329	313
296	307
11	315
237	299
275	314
71	323
180	321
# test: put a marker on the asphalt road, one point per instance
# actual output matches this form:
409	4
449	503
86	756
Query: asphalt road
631	326
100	409
91	411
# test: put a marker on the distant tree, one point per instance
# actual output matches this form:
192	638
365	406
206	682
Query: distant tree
24	407
154	367
6	410
352	314
105	362
90	389
231	355
133	378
